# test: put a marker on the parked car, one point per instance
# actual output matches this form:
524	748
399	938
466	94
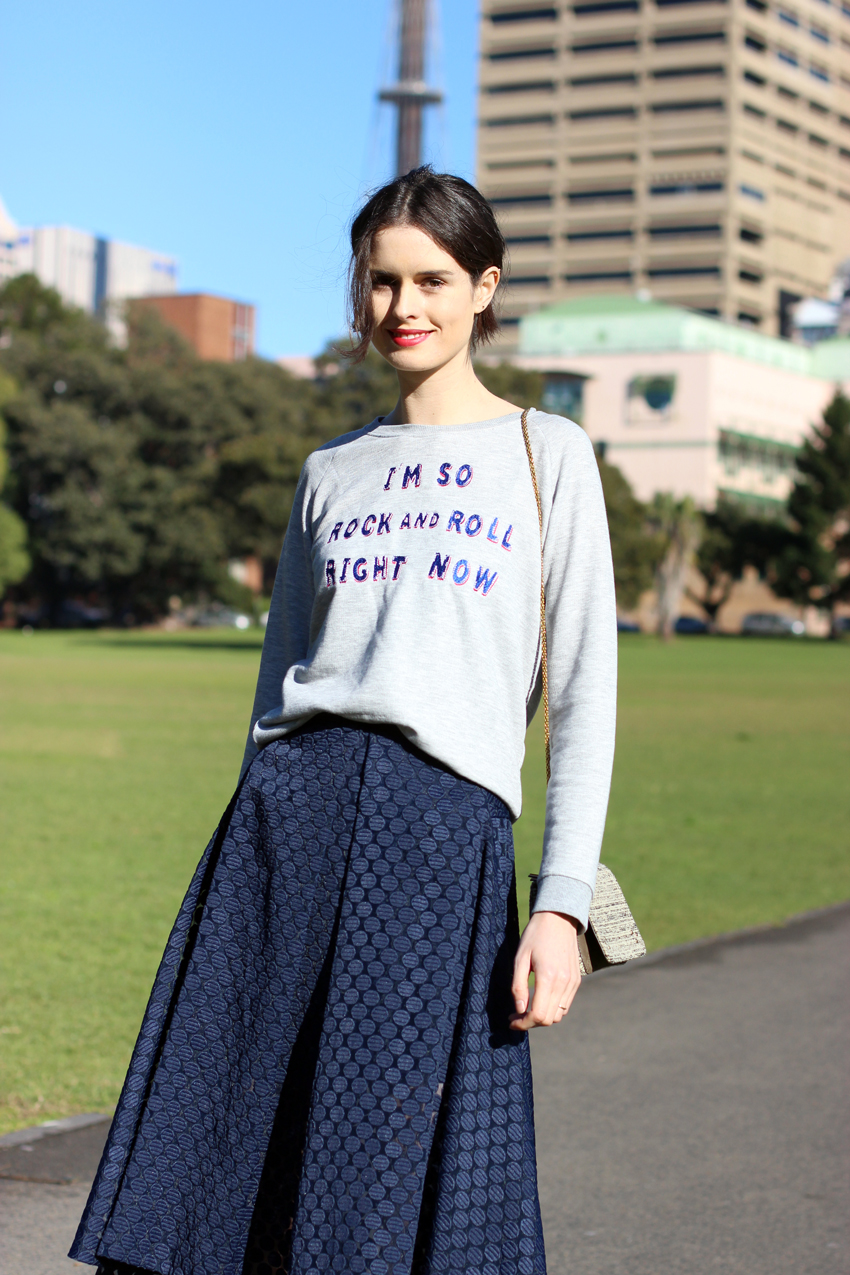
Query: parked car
690	624
627	626
70	613
771	624
217	616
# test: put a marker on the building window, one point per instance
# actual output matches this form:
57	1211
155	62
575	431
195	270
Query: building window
737	451
755	43
684	231
524	15
752	78
786	56
748	235
600	276
595	196
530	280
506	200
820	73
689	37
750	276
682	272
512	121
755	111
513	55
583	236
606	6
607	112
650	400
519	240
752	192
686	188
786	125
563	394
590	81
605	46
790	19
527	86
687	72
696	104
818	33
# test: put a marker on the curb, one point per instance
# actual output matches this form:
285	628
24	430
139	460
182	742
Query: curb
50	1128
771	933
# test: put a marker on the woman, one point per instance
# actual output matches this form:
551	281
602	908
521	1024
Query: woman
333	1073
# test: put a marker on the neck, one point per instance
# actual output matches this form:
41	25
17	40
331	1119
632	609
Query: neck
449	395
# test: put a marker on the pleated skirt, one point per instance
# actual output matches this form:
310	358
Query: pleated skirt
325	1079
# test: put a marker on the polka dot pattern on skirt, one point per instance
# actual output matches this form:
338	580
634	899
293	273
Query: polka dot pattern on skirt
325	1080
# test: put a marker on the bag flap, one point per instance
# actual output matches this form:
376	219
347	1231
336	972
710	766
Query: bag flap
612	923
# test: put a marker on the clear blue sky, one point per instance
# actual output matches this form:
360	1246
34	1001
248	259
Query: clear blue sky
236	137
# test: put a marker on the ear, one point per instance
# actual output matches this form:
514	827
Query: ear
485	288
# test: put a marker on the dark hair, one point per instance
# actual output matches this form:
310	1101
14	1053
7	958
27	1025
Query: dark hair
452	213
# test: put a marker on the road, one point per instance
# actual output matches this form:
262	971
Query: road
692	1119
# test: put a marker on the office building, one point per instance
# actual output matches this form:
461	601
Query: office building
681	402
216	327
695	150
88	271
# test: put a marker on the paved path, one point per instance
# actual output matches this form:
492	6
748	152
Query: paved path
691	1112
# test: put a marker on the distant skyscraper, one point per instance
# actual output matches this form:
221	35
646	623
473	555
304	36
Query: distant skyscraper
411	93
695	149
96	274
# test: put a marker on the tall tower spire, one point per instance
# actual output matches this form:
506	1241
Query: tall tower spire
410	93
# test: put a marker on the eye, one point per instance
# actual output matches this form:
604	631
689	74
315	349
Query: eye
434	283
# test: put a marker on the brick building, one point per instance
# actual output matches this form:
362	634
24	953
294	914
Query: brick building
217	327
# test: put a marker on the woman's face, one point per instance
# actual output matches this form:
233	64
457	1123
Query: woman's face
424	303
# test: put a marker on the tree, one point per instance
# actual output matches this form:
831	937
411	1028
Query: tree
677	525
634	548
811	564
14	559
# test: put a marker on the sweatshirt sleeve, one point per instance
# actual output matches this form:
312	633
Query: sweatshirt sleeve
581	622
287	636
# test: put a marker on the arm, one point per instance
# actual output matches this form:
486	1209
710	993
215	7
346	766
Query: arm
582	640
288	632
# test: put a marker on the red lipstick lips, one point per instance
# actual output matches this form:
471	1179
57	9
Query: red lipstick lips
408	336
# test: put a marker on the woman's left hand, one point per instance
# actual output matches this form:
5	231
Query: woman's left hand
548	948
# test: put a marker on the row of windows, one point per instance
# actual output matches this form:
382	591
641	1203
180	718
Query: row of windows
789	129
609	194
620	44
510	17
788	57
791	18
603	81
618	274
713	104
664	234
630	78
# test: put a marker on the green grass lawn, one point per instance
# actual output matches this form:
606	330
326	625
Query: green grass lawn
118	752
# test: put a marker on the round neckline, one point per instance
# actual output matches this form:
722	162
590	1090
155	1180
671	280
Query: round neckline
439	431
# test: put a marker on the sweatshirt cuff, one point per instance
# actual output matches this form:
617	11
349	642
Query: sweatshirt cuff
564	894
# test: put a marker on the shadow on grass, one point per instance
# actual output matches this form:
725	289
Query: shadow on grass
169	641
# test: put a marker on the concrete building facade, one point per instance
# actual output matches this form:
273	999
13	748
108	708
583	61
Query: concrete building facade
680	402
216	327
88	271
696	149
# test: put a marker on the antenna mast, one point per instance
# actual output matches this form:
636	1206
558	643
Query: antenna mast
410	93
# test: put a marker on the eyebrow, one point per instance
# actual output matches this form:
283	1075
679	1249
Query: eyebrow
389	274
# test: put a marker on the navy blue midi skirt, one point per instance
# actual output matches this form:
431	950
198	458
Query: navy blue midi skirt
325	1079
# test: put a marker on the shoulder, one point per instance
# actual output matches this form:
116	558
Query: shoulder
563	441
323	458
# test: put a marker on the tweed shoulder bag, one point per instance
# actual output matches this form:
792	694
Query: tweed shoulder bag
612	936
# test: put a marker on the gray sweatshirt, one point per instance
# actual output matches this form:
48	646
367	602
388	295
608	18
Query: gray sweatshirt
408	592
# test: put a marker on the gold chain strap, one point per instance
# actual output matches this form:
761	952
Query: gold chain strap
543	662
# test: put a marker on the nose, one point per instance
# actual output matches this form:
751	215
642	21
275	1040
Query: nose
406	302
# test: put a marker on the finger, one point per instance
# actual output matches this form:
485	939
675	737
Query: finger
519	986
